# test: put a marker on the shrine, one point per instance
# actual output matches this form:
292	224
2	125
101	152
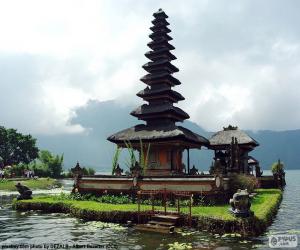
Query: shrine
232	147
167	140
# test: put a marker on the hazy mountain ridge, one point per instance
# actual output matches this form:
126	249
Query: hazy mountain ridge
102	119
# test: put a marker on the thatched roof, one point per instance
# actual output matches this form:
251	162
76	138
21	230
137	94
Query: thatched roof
146	109
224	137
148	133
147	92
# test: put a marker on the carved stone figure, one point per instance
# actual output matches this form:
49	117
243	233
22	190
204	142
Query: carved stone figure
136	170
25	192
240	204
118	171
194	171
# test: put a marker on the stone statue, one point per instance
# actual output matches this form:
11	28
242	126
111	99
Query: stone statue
194	171
240	204
118	171
136	170
25	192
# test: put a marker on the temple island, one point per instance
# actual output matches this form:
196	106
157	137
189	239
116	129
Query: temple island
162	190
160	142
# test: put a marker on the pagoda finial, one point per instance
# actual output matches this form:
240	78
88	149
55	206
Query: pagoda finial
160	78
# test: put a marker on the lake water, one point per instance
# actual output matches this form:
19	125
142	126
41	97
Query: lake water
37	228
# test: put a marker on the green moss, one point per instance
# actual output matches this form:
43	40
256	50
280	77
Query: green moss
212	218
41	183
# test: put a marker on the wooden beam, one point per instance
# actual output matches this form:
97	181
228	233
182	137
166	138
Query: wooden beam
188	160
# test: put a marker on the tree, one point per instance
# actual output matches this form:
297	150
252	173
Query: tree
88	171
277	167
54	163
16	148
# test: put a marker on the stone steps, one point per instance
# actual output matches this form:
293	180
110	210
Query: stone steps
160	224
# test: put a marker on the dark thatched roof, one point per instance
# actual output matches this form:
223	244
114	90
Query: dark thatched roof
147	92
157	133
225	137
146	109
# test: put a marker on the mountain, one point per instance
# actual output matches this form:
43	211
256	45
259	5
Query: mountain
102	119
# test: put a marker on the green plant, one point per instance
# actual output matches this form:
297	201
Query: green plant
177	246
88	171
115	159
132	159
242	181
277	167
144	157
16	148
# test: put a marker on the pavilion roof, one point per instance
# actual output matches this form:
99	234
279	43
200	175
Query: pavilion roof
148	133
224	137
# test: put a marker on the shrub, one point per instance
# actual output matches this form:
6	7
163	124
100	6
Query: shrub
277	168
242	181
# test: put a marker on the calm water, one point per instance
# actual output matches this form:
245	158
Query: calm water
37	228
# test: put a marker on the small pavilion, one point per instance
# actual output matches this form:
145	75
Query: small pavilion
167	140
232	147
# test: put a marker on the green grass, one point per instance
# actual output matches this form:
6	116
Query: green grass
41	183
265	201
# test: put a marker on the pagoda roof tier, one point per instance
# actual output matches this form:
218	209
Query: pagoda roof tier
149	134
160	14
160	35
161	29
160	22
162	53
157	111
160	93
224	138
160	78
161	43
160	65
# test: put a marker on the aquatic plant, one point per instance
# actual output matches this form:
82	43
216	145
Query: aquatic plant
102	225
178	246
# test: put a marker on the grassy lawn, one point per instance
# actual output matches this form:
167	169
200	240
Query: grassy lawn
262	205
41	183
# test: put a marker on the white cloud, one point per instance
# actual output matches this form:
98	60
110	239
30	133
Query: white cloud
235	67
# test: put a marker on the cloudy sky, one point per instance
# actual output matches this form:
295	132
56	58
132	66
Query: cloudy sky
239	61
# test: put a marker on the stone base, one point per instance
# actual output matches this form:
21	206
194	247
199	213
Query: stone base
241	213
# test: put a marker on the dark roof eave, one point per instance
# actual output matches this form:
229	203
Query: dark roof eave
219	146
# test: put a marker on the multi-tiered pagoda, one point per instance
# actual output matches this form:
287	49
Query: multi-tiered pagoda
167	140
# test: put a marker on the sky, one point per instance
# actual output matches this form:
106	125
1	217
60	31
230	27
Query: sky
239	61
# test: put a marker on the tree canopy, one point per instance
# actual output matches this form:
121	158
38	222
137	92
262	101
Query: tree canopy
16	148
277	167
48	164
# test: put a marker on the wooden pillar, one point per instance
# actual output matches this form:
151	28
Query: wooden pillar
139	206
152	203
172	164
178	204
190	212
188	160
165	201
